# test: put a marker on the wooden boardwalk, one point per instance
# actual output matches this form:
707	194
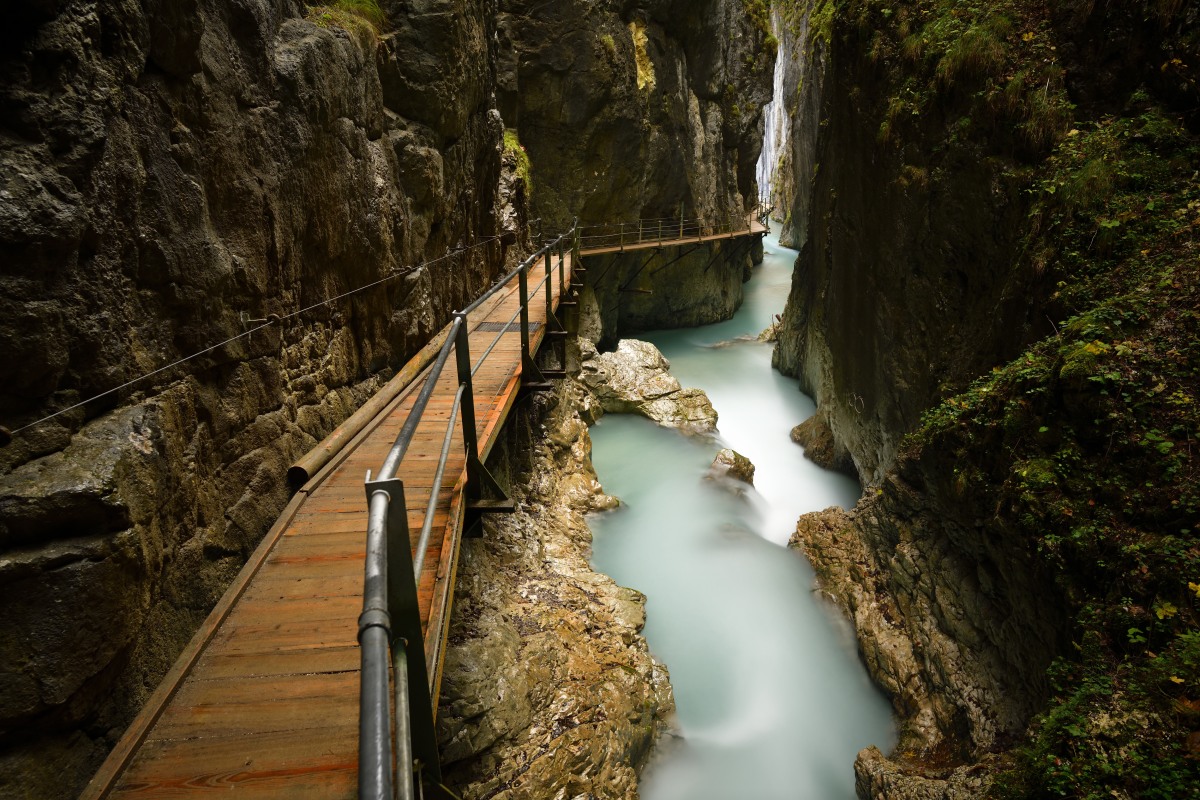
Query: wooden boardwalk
263	703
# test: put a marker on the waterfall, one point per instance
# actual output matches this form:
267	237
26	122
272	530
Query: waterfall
777	128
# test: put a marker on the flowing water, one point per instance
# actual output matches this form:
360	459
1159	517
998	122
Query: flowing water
773	701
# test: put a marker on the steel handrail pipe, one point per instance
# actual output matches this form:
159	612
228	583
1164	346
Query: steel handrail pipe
375	763
427	525
404	438
404	750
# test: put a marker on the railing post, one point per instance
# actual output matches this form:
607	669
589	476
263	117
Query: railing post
462	354
523	281
549	290
562	268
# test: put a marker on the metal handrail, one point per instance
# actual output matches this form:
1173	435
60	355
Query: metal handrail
390	620
661	231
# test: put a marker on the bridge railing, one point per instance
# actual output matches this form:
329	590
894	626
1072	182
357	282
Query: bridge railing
398	756
619	236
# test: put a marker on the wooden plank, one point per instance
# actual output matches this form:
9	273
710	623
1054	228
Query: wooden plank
238	707
121	755
284	764
311	660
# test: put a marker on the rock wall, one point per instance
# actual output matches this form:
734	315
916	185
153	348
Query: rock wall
675	287
944	274
956	620
168	168
799	78
903	289
641	111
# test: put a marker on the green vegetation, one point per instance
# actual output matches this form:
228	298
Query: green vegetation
1088	446
1085	448
760	12
349	15
514	152
992	65
610	44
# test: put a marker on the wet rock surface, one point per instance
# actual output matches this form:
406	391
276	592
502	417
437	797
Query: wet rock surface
634	379
952	621
821	447
877	776
549	689
730	465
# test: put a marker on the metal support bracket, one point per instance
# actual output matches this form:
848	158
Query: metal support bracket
478	506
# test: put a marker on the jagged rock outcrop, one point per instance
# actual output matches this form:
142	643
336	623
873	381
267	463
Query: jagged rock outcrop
634	379
730	465
649	111
166	169
956	626
549	689
820	447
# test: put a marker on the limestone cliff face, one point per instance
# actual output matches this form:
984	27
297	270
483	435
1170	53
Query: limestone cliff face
939	265
904	286
641	111
957	621
165	169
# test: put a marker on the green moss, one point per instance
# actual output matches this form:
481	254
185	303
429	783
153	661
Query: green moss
349	15
514	150
610	44
1088	446
991	64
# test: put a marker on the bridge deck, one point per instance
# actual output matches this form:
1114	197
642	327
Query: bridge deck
264	700
646	242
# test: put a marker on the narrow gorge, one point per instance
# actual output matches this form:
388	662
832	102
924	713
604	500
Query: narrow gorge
225	225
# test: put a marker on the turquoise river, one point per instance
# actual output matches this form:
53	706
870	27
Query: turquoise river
773	700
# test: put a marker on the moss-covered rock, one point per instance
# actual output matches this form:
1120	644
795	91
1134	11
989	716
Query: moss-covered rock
1014	285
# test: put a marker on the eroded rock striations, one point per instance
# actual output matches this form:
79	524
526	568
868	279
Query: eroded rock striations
550	689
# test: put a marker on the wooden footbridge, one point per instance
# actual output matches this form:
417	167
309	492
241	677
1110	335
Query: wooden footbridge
308	680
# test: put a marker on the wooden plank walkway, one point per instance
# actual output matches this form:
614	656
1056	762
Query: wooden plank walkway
263	703
755	228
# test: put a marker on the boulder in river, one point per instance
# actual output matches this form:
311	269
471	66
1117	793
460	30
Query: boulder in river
731	465
634	380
